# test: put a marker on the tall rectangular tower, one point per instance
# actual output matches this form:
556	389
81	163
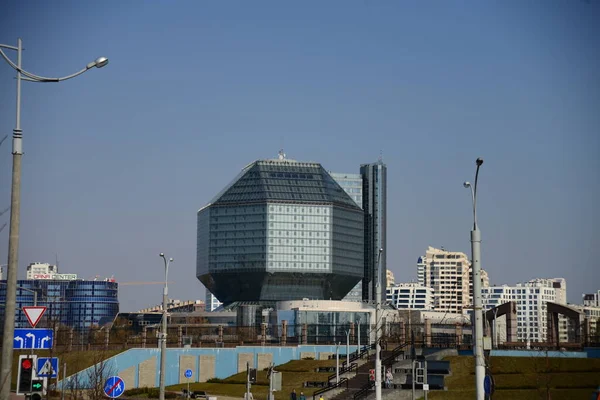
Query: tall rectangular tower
374	196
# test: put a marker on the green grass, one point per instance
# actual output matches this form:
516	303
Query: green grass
294	374
519	378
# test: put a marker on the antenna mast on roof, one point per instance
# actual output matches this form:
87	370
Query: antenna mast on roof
281	155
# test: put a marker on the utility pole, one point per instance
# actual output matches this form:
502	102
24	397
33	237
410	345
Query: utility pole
337	362
348	348
163	335
358	349
247	380
271	371
377	329
477	302
15	211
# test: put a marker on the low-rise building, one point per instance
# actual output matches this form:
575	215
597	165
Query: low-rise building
410	296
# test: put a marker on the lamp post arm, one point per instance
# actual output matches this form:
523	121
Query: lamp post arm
38	78
475	227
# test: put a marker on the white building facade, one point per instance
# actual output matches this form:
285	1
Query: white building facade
41	271
531	298
410	296
447	273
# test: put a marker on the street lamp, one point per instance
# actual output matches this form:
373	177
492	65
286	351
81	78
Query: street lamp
15	208
377	329
476	278
163	335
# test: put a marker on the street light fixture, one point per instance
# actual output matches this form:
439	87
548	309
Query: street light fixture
476	278
163	335
15	208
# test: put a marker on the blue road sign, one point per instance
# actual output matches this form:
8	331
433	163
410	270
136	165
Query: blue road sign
114	387
188	373
33	338
488	384
47	367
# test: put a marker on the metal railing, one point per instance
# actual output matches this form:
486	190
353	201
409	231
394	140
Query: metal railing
342	382
343	370
364	391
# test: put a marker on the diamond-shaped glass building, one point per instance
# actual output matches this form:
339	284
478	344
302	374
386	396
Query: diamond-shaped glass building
281	230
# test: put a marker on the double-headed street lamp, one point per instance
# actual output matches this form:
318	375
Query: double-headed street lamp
15	207
163	335
476	278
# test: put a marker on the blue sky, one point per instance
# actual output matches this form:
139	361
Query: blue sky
118	161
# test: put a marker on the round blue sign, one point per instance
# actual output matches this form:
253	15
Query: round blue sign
114	387
488	384
188	373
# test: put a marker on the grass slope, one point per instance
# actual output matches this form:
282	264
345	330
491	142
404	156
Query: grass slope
294	374
519	378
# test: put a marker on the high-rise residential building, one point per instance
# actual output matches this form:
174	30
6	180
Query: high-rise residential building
211	302
281	230
448	273
410	296
531	298
374	178
389	278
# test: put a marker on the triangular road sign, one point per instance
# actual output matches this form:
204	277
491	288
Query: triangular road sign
46	368
34	314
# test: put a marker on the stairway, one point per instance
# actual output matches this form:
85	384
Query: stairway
361	379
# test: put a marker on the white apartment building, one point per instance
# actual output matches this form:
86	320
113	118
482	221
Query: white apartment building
410	296
41	271
592	300
211	302
447	273
389	278
531	298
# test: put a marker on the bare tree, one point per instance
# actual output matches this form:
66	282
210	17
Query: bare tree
97	374
72	385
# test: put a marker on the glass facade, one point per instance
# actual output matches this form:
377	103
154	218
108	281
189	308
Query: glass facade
77	304
281	230
324	323
375	208
352	184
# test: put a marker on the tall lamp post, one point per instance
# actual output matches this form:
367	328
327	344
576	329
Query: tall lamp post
477	303
163	335
15	208
378	329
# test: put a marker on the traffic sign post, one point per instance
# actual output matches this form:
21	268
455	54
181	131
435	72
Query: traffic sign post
33	339
34	314
47	367
114	387
188	375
